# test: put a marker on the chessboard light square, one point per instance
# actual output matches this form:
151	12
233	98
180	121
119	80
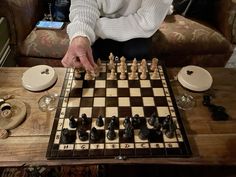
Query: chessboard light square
100	84
111	92
85	110
73	102
111	111
124	101
99	102
148	101
158	92
88	92
77	84
135	92
145	83
116	140
123	84
137	110
163	111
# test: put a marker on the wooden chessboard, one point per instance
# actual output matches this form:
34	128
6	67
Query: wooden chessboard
120	99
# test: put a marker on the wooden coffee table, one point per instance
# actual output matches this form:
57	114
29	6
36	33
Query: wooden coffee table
212	142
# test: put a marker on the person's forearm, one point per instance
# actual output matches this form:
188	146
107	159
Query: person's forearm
142	24
83	17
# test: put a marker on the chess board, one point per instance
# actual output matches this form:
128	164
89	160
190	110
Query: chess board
117	99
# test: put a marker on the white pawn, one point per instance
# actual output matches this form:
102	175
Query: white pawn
143	74
112	75
155	74
122	72
154	64
143	64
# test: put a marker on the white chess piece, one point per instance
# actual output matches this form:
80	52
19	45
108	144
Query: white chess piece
154	64
144	73
154	74
112	75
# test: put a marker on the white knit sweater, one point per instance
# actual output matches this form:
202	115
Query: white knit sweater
119	20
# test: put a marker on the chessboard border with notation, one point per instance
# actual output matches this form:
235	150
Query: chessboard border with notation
54	152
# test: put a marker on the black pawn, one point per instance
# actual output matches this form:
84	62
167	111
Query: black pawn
94	134
170	131
144	133
166	122
136	121
157	127
152	120
66	136
85	119
127	121
99	121
83	135
72	122
111	134
128	132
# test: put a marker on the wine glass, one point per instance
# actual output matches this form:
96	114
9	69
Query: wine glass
185	101
48	102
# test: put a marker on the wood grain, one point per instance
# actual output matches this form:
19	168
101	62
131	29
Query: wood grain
212	142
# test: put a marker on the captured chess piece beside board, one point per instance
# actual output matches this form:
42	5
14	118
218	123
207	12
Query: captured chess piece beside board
123	109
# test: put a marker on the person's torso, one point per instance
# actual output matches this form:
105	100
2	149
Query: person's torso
117	8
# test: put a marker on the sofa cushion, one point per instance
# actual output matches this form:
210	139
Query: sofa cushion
44	43
177	36
180	35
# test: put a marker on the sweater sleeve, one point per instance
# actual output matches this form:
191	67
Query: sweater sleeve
142	24
83	17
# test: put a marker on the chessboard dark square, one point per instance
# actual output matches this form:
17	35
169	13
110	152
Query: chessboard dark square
134	84
97	111
160	101
125	140
86	102
102	76
123	92
156	83
88	83
99	92
136	101
76	92
111	101
149	110
124	111
146	92
72	111
111	84
154	137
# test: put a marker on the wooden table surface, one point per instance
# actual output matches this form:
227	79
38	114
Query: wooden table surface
212	142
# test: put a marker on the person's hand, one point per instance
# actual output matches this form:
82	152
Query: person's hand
79	54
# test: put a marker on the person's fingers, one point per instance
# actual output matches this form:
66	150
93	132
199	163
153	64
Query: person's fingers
85	62
91	59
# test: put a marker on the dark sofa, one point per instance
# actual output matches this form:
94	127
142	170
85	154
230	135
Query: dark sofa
180	40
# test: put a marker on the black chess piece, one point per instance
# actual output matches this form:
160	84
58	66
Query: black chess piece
94	134
126	121
99	121
165	123
135	120
111	134
206	100
157	127
113	122
128	131
152	120
67	136
170	130
144	133
72	122
85	119
83	135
